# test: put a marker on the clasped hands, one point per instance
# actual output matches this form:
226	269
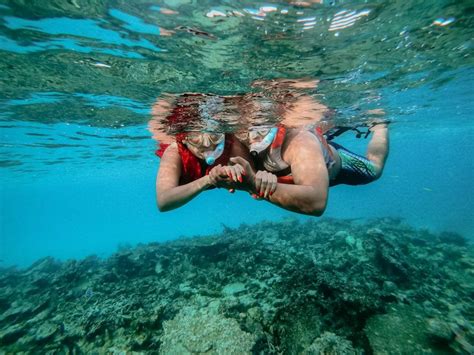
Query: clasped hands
241	176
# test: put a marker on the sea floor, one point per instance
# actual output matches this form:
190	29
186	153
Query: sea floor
319	287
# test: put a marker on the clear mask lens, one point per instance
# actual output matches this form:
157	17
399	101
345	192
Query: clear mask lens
258	133
265	142
198	139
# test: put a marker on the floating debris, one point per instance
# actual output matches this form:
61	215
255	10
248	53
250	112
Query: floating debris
195	32
442	22
215	13
101	65
268	9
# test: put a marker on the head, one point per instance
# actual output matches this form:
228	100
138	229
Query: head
191	119
258	138
206	146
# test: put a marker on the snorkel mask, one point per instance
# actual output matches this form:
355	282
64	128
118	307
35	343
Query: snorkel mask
257	148
217	139
199	116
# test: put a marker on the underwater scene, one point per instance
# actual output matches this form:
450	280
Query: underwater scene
236	177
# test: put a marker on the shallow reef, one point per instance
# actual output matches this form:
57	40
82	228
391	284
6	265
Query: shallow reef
320	287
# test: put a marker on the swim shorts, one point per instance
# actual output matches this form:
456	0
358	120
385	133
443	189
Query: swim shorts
355	169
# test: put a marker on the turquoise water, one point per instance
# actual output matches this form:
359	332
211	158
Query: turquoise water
385	270
78	80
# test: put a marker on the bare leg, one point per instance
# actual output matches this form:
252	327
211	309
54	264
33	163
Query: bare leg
377	151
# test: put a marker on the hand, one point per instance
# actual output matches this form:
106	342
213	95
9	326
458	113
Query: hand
265	183
234	172
262	184
225	176
216	175
247	169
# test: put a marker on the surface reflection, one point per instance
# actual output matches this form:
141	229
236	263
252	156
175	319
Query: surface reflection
287	102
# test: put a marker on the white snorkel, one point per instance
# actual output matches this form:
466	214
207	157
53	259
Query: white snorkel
211	157
257	148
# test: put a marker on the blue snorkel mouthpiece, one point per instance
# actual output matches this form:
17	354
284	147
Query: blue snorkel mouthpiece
211	157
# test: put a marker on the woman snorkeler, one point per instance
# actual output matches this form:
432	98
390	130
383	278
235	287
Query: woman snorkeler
198	159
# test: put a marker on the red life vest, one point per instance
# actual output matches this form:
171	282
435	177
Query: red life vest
194	168
279	138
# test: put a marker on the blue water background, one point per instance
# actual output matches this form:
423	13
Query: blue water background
80	202
75	211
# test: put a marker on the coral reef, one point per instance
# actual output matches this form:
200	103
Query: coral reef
204	331
330	344
320	287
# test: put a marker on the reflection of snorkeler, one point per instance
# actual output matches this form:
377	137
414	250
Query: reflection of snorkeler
196	161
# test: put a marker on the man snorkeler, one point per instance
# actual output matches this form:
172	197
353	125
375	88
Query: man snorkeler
296	166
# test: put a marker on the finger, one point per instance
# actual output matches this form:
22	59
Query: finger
231	173
239	171
223	172
220	175
242	168
235	172
263	185
269	186
239	160
274	184
231	191
258	181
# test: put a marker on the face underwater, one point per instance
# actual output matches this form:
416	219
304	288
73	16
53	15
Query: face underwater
206	146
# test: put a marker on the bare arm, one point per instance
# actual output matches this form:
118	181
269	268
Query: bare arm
309	193
169	194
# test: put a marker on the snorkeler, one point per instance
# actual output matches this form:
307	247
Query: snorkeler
301	166
296	166
196	161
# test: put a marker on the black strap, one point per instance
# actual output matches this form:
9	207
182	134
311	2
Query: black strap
337	131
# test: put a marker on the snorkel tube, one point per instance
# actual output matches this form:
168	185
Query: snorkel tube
211	157
259	147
